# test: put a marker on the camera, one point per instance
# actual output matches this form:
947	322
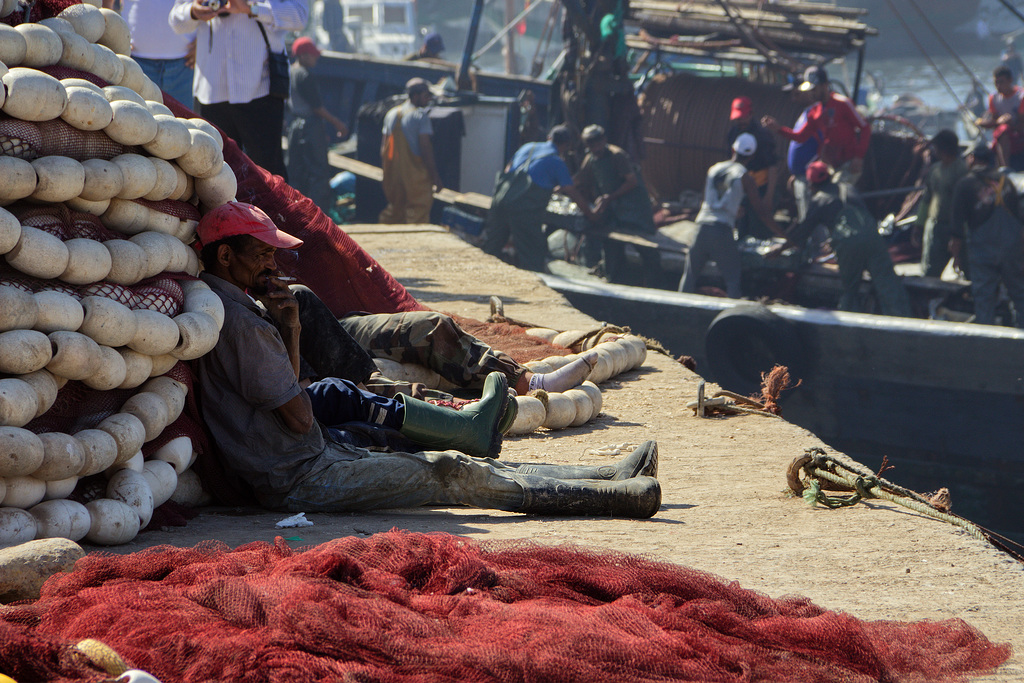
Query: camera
213	4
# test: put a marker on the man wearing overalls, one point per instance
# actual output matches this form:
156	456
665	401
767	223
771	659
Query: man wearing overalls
407	158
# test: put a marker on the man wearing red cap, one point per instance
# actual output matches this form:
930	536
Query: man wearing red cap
855	241
308	169
763	166
301	445
845	133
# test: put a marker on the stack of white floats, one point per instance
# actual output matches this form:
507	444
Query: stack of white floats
616	353
84	322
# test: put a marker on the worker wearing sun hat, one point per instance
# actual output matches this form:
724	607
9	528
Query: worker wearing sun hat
763	165
728	182
853	234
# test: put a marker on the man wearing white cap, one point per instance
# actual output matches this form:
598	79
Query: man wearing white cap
727	184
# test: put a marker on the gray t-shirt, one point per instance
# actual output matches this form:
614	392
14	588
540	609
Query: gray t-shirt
723	193
415	122
246	376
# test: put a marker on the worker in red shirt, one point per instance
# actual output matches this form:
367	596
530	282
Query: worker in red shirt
1004	116
845	133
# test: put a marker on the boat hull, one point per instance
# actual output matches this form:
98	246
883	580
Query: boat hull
943	401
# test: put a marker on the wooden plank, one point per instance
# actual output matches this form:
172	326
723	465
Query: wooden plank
361	168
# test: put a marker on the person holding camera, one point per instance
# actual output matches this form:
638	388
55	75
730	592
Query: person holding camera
241	68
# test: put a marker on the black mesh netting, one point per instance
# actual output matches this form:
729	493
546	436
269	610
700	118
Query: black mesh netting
433	607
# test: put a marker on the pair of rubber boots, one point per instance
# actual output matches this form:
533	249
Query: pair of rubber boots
627	489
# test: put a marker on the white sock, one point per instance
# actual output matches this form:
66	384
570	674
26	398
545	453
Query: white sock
566	377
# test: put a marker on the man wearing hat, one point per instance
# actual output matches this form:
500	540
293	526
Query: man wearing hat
301	445
407	158
727	184
845	133
935	209
610	180
432	48
855	240
987	220
763	165
308	169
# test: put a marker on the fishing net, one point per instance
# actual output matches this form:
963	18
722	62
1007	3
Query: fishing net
433	607
30	140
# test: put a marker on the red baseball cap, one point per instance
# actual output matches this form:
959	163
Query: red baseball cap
741	107
238	218
817	172
304	46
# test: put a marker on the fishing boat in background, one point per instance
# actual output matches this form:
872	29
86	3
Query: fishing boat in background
940	399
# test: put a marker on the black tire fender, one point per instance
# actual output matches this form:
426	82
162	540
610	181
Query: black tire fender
747	340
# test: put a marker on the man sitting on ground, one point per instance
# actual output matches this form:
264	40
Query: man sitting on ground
301	447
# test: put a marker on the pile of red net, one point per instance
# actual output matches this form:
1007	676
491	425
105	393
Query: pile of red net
434	607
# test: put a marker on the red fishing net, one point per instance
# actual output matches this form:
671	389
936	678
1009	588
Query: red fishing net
434	607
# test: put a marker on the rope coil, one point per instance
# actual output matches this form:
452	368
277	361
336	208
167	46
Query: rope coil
837	472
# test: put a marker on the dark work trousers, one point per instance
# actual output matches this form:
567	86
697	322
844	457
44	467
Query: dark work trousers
325	345
337	402
308	169
256	126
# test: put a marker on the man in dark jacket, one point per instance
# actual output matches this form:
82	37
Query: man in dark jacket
987	217
855	241
609	178
308	169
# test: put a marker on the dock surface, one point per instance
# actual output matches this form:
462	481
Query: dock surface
726	507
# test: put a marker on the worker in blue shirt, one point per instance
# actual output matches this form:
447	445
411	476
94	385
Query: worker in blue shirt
521	196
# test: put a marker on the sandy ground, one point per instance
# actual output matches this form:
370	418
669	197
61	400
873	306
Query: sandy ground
725	509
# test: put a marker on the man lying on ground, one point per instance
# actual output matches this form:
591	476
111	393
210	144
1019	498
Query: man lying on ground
303	446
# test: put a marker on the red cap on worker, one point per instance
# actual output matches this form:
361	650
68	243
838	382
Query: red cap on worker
741	107
304	46
238	218
817	172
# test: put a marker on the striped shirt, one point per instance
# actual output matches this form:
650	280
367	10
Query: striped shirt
231	57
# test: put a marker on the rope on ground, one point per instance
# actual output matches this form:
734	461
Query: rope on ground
844	473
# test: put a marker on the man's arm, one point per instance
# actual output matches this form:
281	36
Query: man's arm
330	118
427	155
297	413
573	193
187	15
801	134
285	15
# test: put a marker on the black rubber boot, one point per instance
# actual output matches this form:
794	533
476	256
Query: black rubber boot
475	430
638	498
642	462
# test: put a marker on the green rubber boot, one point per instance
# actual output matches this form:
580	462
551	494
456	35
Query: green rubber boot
475	430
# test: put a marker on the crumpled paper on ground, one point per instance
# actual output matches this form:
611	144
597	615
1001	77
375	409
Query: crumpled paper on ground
294	521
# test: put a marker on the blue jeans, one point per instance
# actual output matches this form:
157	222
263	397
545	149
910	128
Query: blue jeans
337	402
173	77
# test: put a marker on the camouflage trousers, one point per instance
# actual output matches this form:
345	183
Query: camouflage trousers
433	340
344	348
